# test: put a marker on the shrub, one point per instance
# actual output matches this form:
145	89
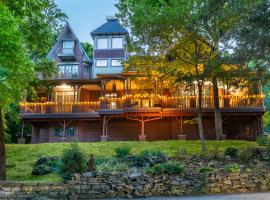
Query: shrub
108	167
122	151
214	154
149	158
262	140
232	168
206	169
46	165
181	154
169	168
42	170
73	161
246	154
232	152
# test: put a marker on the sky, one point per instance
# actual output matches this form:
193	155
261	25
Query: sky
86	15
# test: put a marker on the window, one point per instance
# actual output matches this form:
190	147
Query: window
102	43
101	63
68	44
70	132
117	43
68	47
68	71
116	63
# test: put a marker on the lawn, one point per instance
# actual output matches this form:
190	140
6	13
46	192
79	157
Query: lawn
21	158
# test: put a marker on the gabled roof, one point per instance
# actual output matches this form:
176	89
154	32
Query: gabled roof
111	27
61	37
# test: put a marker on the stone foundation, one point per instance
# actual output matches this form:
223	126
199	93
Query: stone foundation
123	185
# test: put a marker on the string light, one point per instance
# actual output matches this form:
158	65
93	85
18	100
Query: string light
113	98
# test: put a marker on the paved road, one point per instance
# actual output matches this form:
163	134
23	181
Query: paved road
250	196
253	196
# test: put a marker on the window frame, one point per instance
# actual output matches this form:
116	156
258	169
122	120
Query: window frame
103	66
107	43
122	39
68	70
120	59
58	131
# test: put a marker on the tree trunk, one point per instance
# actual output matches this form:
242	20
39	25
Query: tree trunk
200	117
2	149
218	117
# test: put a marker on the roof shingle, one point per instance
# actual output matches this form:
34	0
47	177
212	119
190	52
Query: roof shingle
111	27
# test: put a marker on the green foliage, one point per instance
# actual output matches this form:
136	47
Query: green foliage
46	165
122	151
88	48
149	158
181	154
232	168
262	140
246	154
232	152
24	156
214	154
166	168
117	167
73	161
206	169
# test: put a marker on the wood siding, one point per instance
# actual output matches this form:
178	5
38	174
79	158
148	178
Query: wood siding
235	127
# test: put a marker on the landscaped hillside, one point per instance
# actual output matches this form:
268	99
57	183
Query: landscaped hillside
21	158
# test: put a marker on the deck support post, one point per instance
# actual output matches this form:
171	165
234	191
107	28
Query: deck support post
104	136
142	137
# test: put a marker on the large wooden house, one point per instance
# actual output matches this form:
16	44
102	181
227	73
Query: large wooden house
94	99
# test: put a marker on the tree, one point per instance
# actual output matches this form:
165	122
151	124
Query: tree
88	48
14	73
21	51
159	25
157	33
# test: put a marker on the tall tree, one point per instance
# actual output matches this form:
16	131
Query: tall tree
15	71
157	32
159	25
23	25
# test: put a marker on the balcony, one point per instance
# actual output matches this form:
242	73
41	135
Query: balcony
141	103
66	54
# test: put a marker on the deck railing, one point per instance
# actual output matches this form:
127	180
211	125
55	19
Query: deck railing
140	101
59	108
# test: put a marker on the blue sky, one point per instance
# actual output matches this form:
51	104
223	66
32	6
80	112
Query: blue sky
87	15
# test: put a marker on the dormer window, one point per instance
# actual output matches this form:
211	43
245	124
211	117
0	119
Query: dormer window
102	43
117	43
68	47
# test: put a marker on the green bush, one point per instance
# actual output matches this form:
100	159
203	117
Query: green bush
73	161
232	168
46	165
149	158
246	154
206	169
214	154
122	151
181	154
262	140
117	167
166	168
232	152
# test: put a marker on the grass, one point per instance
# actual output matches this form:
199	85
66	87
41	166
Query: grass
21	158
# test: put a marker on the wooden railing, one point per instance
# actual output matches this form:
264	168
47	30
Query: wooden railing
140	101
59	108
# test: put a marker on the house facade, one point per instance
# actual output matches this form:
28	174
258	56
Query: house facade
95	99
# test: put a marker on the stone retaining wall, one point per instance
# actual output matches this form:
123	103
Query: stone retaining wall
132	185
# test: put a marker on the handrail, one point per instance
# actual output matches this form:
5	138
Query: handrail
141	101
